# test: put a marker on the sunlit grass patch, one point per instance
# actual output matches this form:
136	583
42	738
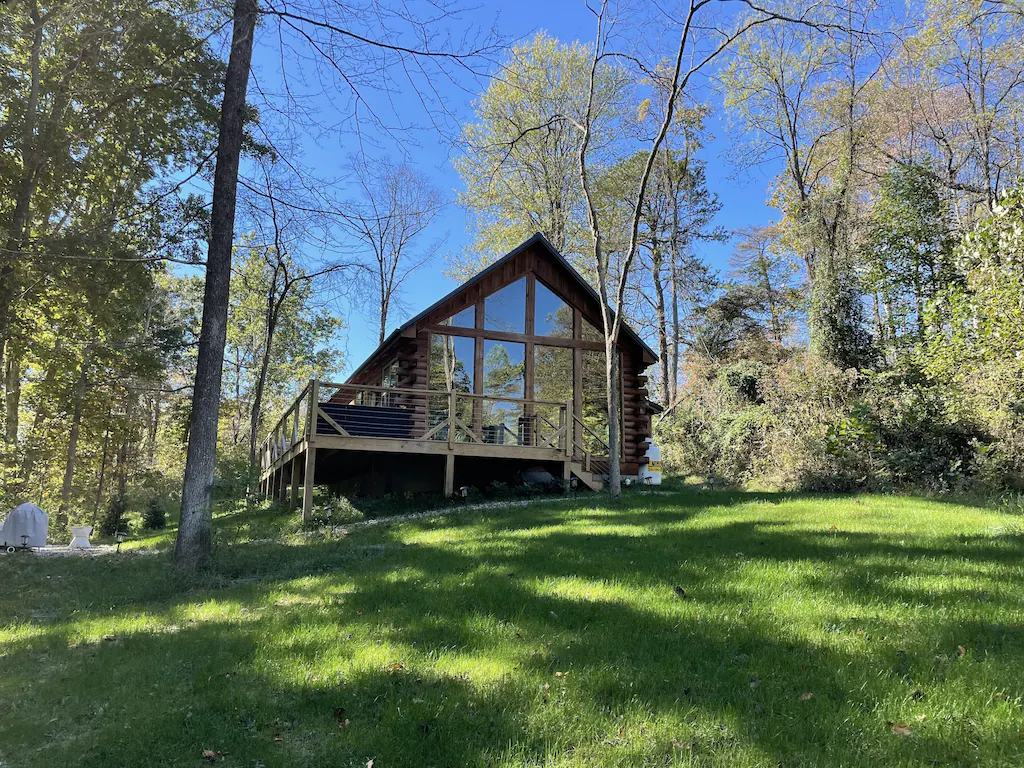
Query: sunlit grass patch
805	630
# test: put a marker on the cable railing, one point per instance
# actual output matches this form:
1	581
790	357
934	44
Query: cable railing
362	411
404	414
589	448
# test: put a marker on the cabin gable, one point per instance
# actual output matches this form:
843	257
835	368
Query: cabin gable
553	346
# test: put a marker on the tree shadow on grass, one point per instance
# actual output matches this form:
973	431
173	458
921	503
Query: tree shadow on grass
447	653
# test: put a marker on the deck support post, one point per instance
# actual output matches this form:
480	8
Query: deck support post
449	475
293	500
282	485
566	476
308	480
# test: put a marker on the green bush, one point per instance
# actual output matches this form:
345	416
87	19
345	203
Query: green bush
114	518
804	425
155	516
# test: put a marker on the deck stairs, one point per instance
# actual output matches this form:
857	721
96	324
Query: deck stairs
593	480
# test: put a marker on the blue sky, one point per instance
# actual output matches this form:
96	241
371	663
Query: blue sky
743	197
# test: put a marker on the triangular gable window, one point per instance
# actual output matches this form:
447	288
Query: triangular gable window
464	319
505	310
591	332
552	316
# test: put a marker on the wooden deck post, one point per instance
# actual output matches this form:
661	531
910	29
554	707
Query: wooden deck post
309	473
449	475
308	480
279	485
570	429
293	500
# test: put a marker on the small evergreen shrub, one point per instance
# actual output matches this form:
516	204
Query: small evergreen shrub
113	517
155	516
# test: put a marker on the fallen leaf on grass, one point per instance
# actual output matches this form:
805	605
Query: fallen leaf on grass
900	729
369	763
210	756
339	717
278	738
110	638
561	674
806	696
960	651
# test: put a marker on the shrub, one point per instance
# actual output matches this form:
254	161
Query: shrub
805	425
155	516
113	517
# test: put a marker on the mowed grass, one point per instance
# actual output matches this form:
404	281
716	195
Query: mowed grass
831	631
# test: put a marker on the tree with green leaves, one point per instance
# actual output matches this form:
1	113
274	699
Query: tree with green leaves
518	157
100	100
974	331
907	252
678	213
360	61
760	261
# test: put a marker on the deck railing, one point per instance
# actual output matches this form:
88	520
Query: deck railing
403	414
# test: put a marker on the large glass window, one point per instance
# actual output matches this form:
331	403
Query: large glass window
451	368
503	420
388	378
463	319
552	373
552	316
552	381
595	403
591	332
451	363
505	310
504	367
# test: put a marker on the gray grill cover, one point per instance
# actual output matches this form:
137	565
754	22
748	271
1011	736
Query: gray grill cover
25	520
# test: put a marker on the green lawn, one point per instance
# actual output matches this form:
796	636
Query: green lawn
540	636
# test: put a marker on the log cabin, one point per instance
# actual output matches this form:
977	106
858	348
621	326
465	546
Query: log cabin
501	378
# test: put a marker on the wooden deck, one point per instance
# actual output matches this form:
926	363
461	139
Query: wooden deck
389	420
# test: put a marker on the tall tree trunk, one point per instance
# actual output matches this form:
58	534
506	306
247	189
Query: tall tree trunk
256	414
614	452
659	311
42	414
122	468
676	333
773	311
877	313
12	392
76	421
156	404
385	297
103	471
26	186
192	548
